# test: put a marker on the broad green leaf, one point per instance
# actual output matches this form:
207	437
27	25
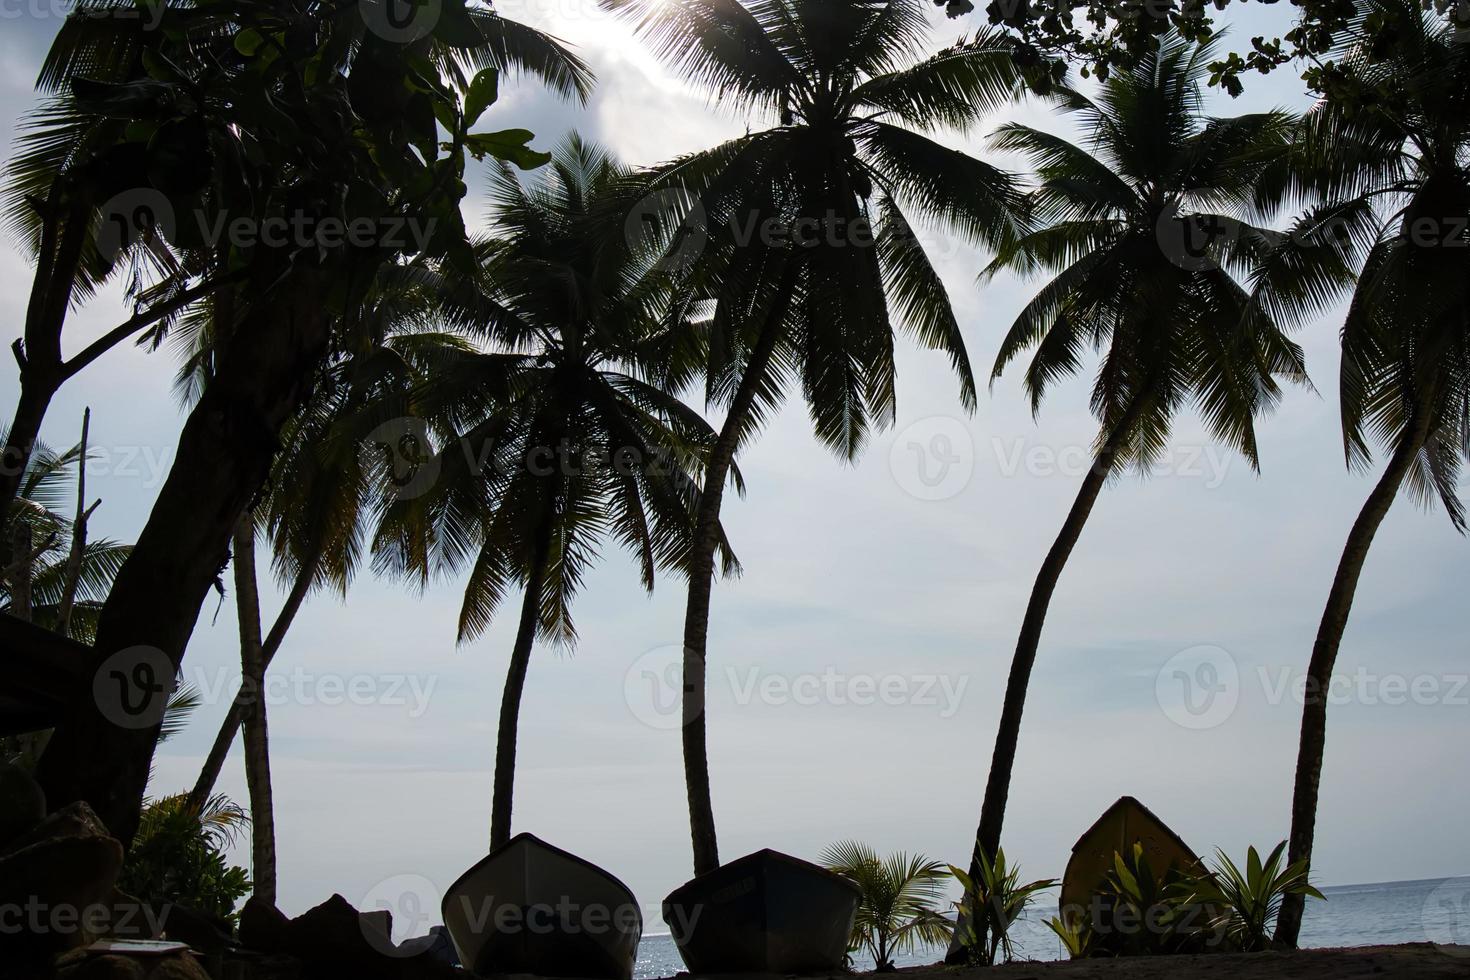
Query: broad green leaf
482	93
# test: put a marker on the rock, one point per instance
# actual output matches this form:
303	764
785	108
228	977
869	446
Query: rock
108	968
114	966
22	802
72	820
62	889
204	933
336	940
264	928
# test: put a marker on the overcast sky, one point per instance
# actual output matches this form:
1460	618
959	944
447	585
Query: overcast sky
857	668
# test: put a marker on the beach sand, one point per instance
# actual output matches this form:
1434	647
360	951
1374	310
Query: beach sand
1415	961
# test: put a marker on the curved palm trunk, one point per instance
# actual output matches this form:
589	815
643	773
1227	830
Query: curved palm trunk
515	685
63	237
214	763
1324	657
257	738
997	787
701	585
224	455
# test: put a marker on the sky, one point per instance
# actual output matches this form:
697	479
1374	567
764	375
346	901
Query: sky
857	668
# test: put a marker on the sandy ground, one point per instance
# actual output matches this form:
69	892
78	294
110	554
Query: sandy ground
1417	961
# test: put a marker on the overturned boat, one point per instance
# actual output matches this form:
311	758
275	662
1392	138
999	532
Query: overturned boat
764	913
529	907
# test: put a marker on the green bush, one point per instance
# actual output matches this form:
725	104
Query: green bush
900	896
177	857
991	905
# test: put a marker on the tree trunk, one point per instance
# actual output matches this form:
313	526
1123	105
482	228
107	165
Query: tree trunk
20	442
266	370
1324	659
63	237
701	584
515	684
257	738
997	787
225	737
20	577
78	537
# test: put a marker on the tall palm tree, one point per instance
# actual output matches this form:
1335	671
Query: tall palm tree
553	441
851	99
385	153
1394	174
1172	325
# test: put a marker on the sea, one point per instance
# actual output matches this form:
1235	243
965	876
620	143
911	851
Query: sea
1433	910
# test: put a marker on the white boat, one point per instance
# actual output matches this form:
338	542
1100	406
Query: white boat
531	908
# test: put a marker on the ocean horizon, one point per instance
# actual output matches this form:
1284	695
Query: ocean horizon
1367	914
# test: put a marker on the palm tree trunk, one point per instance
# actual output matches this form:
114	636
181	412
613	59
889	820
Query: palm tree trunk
266	370
257	737
701	585
515	685
1324	658
64	235
214	763
20	572
78	537
997	788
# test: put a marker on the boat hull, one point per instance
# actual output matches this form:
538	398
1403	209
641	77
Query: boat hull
531	908
764	913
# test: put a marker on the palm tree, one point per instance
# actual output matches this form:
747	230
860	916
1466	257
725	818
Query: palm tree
1395	175
553	442
64	578
900	905
1172	325
385	153
847	158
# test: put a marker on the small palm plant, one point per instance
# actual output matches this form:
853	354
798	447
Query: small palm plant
901	900
1250	901
994	899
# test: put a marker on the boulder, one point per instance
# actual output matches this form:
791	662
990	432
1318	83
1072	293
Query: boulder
59	876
